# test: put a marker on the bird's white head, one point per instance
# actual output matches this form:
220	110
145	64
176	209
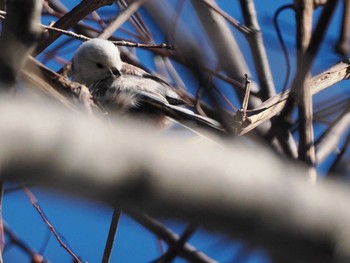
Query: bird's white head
96	59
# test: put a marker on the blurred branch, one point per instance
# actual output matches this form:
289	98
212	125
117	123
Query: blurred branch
20	33
138	23
242	28
255	40
267	203
121	18
344	37
329	140
339	157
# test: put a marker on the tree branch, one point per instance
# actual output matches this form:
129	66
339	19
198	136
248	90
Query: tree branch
267	203
304	14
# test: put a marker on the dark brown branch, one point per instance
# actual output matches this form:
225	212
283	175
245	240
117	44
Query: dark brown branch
176	248
19	34
70	19
188	252
111	236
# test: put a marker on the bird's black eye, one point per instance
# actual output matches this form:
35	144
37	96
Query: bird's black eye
99	65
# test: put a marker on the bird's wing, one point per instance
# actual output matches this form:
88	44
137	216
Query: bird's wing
168	91
128	92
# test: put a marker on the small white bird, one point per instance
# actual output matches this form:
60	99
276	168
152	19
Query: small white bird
122	87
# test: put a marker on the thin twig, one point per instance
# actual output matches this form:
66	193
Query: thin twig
111	236
50	226
118	43
246	95
282	43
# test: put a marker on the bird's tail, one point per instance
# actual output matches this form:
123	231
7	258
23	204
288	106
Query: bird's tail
184	116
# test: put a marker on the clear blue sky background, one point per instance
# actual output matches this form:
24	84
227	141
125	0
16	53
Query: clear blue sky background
84	225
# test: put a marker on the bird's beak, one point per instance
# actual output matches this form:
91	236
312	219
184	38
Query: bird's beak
114	71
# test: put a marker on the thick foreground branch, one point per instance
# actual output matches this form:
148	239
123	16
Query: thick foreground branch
245	192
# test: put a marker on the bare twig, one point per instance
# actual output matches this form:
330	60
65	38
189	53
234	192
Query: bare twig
70	19
118	43
255	40
14	239
246	95
274	105
49	225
